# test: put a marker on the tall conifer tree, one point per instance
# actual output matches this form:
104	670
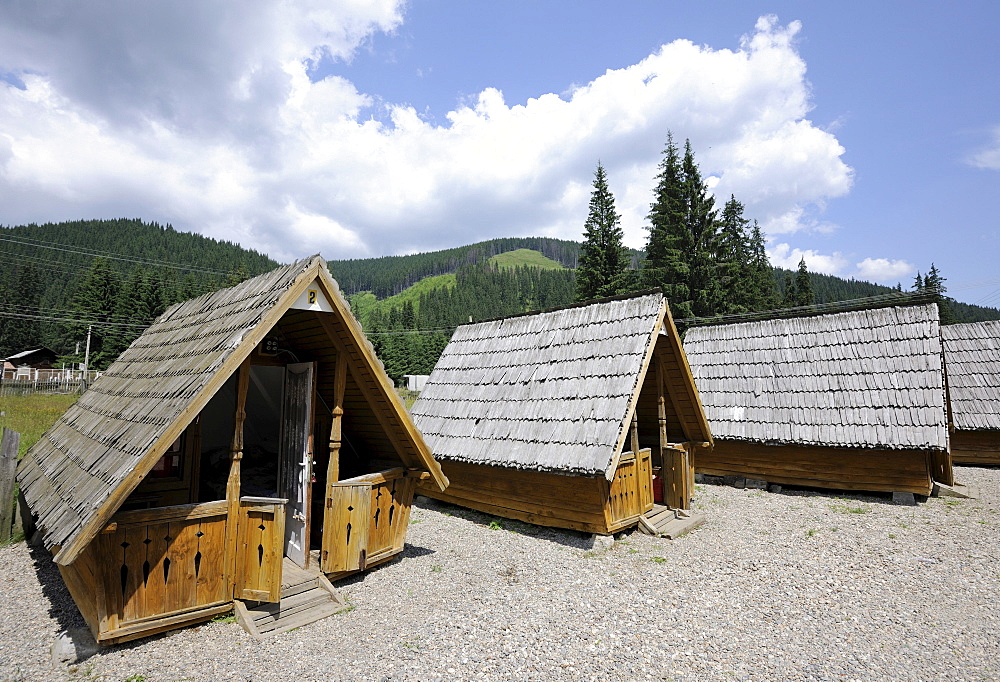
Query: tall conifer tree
763	289
704	287
680	254
603	266
803	286
665	265
734	257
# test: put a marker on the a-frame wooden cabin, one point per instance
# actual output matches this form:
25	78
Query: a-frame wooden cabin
559	418
849	401
247	433
972	368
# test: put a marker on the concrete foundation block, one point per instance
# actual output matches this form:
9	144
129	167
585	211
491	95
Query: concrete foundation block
72	646
602	543
906	499
756	484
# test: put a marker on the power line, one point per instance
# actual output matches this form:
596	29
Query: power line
65	248
69	320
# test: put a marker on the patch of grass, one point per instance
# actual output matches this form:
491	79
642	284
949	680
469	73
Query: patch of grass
496	525
412	645
229	617
953	503
848	509
525	257
135	678
811	532
658	560
892	536
413	521
32	415
436	568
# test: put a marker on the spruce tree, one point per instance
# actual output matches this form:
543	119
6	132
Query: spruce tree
760	282
934	284
666	264
23	332
704	287
603	263
788	292
734	258
680	254
94	302
803	286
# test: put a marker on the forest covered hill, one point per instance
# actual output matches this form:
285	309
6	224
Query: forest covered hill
116	275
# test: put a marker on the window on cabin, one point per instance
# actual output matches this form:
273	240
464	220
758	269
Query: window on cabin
169	465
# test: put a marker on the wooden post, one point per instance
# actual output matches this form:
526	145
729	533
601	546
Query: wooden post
336	424
635	433
233	483
9	443
661	410
333	465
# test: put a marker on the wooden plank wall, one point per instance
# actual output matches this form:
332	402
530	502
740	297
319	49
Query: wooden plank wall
545	499
837	468
978	448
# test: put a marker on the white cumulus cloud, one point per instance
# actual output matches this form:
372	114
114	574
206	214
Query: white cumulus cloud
988	157
883	270
205	116
784	256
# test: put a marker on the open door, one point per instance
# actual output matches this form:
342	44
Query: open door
296	457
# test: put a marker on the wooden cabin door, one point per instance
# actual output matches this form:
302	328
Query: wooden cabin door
296	457
345	528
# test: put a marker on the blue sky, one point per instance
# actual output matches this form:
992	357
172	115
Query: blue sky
863	136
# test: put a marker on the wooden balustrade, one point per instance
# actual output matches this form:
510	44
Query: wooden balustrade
366	519
157	562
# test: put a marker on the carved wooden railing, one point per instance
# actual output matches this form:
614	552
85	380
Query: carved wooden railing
366	519
157	562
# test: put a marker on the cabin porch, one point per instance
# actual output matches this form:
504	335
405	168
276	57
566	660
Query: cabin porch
288	465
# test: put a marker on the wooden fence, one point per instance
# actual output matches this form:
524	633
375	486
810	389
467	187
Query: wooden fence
9	442
45	381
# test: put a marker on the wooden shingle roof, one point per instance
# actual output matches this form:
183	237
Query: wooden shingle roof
81	470
972	359
861	379
549	391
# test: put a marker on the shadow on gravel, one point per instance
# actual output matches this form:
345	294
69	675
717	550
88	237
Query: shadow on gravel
62	608
409	551
568	538
834	495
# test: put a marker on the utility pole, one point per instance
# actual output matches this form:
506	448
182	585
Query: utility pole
86	357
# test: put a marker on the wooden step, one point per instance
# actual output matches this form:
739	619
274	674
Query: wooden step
669	523
301	604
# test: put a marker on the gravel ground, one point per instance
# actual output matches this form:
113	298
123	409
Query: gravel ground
792	585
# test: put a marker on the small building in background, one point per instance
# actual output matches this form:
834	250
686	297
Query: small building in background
416	382
972	367
24	363
850	401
